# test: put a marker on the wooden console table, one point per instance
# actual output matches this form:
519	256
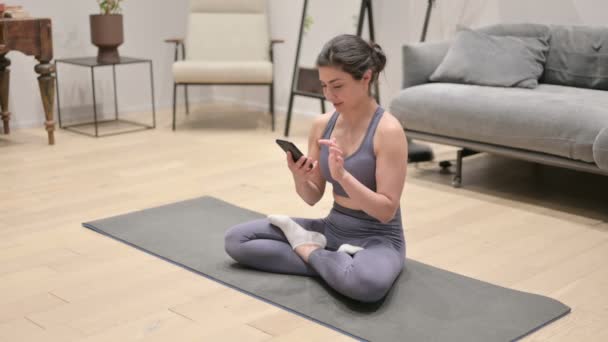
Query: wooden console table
31	36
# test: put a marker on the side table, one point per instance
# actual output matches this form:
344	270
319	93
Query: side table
92	63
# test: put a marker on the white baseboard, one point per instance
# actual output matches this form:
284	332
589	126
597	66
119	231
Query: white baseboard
84	113
264	106
77	114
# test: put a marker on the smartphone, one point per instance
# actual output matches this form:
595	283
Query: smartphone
296	154
288	146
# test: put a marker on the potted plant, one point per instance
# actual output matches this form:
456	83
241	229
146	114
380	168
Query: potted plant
107	31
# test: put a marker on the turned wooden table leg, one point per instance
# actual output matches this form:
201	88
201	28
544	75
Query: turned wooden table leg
5	74
46	81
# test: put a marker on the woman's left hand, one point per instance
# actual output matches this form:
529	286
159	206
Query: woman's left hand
335	159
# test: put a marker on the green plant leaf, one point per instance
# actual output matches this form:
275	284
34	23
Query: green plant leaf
109	6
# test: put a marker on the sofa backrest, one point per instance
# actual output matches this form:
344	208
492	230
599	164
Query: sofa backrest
518	30
577	56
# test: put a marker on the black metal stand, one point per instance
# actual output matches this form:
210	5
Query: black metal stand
366	6
92	63
418	152
427	18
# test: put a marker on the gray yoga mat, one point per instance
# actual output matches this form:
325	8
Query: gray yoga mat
425	304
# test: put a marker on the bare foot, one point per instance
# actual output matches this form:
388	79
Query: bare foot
304	250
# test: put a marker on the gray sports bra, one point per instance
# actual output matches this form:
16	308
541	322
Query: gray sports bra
361	163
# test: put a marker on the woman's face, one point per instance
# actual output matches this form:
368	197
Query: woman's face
341	89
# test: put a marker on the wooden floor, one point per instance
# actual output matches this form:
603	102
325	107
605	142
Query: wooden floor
515	224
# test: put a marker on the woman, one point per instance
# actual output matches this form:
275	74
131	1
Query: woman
359	248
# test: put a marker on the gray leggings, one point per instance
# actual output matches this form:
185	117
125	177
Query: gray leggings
367	276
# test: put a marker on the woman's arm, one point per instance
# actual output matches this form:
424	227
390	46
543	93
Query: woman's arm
390	145
312	187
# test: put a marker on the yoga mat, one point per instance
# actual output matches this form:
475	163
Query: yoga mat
425	304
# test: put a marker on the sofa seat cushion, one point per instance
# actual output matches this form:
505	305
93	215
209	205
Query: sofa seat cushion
557	120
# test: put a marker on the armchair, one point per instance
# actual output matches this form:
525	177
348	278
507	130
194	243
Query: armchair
228	44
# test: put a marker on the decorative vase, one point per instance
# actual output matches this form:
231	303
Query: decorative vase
107	34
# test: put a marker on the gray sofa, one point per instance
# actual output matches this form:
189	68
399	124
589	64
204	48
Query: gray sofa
562	122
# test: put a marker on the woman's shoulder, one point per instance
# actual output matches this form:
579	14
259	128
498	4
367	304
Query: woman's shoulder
389	124
389	131
320	122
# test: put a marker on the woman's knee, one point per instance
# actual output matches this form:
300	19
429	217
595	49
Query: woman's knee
369	286
237	235
233	238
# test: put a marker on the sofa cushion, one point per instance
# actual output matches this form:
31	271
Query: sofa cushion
600	149
222	72
578	57
420	60
506	61
557	120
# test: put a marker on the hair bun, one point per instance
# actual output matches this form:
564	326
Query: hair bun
375	46
378	56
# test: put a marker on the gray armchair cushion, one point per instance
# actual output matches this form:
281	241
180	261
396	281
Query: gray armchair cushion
600	149
578	57
420	60
557	120
482	59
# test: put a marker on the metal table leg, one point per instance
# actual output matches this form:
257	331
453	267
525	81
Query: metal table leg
153	99
94	101
115	96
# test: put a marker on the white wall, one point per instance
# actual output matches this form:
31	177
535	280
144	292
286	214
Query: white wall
148	22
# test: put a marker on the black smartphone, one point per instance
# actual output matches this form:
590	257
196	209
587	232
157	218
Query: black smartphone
288	146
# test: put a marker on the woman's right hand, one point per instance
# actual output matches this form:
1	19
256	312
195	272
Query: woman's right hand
303	169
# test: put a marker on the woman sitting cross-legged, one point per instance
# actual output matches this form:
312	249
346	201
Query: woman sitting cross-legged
359	248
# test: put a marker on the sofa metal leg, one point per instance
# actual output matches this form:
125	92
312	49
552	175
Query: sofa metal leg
457	179
465	152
